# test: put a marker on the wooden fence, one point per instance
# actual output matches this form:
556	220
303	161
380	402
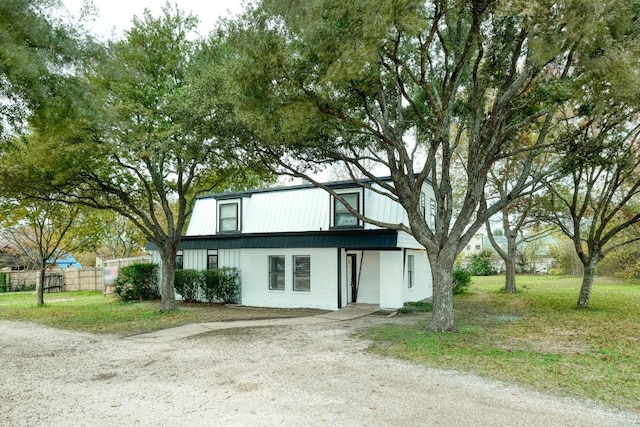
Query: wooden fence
74	279
84	279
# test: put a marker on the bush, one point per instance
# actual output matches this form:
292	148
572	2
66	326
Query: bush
480	264
187	283
3	283
222	285
137	282
461	281
416	307
229	288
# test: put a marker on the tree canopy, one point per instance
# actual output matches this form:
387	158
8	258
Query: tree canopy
416	86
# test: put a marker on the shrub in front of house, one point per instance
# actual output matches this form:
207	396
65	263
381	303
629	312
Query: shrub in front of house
221	285
461	280
3	283
187	283
137	282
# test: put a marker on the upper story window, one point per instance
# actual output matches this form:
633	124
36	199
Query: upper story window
341	215
228	218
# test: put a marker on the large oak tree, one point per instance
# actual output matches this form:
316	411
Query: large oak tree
415	86
148	137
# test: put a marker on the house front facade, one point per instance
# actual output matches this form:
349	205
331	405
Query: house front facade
300	247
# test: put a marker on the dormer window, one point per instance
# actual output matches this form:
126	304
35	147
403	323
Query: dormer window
341	215
228	218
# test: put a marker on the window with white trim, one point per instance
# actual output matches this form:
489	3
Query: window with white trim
432	214
179	261
341	215
228	217
276	272
302	273
410	271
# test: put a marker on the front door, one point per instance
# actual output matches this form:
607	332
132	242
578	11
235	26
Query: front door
352	277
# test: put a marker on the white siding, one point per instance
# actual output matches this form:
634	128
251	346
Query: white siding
194	259
229	258
255	280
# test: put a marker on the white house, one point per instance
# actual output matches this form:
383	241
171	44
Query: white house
298	246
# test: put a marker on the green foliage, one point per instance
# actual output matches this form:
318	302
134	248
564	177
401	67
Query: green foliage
416	307
137	282
187	283
229	285
3	283
461	280
480	264
221	284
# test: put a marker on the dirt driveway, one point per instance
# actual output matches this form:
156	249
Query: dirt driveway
297	375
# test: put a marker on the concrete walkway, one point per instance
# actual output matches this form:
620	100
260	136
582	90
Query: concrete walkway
352	311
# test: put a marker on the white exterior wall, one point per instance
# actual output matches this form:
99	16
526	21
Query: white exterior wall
422	286
391	279
255	279
368	271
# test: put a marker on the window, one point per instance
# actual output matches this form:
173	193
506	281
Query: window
410	271
433	213
276	272
228	217
212	260
342	216
423	207
179	261
302	273
477	247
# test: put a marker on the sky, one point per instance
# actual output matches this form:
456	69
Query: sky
114	16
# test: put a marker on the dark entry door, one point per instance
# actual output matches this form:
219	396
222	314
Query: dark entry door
352	276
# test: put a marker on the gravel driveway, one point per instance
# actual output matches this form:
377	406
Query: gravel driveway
297	375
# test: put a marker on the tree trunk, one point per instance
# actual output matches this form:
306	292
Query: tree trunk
167	291
40	286
587	283
510	265
442	275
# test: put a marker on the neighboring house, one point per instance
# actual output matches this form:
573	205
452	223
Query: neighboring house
300	247
480	242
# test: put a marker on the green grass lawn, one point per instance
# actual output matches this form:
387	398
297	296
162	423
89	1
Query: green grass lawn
93	312
535	338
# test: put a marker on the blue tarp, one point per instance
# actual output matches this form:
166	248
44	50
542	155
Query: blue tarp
67	261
